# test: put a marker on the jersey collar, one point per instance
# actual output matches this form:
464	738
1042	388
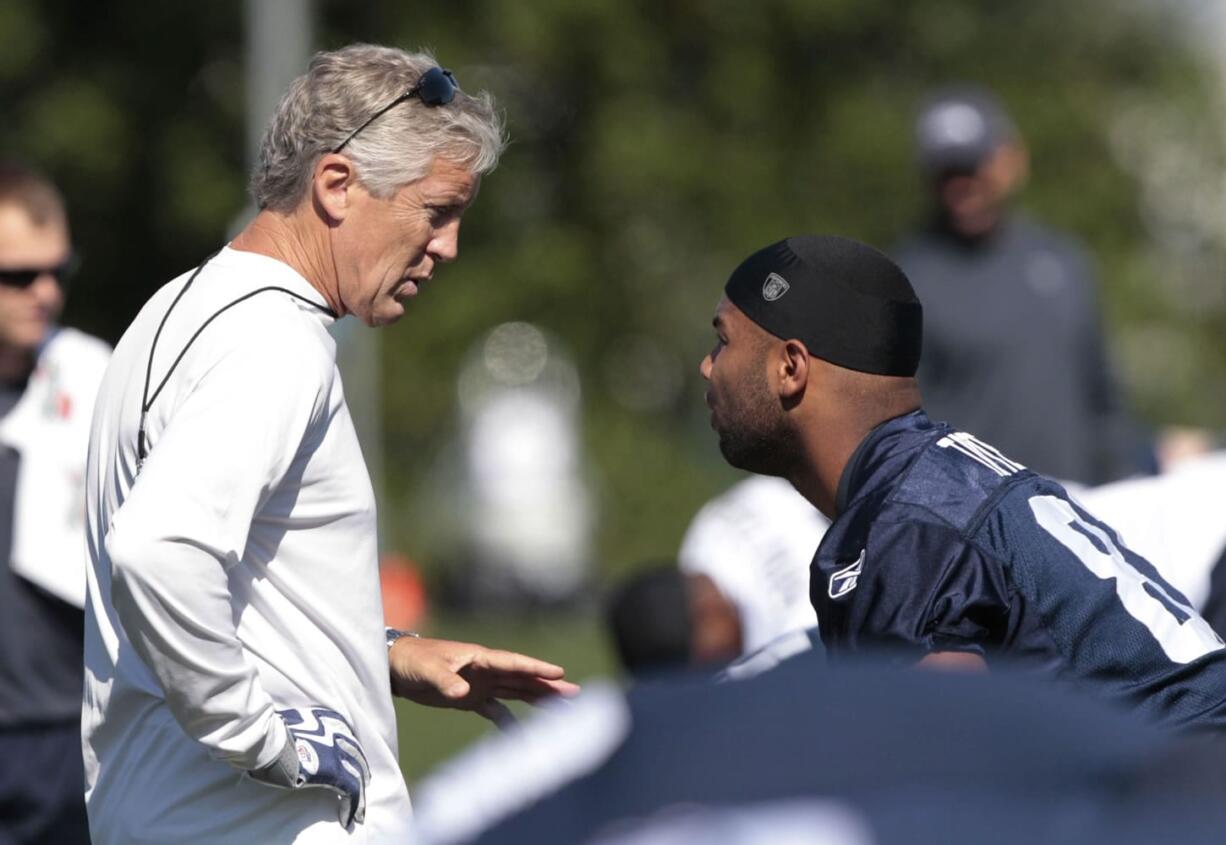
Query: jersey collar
875	444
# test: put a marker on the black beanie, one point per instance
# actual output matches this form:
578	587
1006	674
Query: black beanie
848	303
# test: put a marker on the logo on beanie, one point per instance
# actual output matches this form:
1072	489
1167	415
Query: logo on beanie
774	287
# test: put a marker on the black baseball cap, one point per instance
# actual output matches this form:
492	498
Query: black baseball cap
958	128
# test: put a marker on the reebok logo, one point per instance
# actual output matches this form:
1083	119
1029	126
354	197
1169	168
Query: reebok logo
774	287
846	579
307	758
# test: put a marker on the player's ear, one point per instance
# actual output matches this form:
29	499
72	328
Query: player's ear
793	370
331	182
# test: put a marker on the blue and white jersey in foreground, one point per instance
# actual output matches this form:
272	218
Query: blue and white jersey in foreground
853	755
944	544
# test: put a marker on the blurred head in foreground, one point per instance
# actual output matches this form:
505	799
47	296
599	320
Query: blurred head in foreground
853	755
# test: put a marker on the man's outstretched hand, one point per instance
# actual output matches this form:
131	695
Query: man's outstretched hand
466	676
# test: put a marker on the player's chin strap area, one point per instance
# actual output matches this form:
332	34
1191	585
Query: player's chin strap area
142	449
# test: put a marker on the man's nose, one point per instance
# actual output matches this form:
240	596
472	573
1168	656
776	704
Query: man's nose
46	286
445	245
705	366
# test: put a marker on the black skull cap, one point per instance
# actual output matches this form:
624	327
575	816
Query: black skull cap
848	303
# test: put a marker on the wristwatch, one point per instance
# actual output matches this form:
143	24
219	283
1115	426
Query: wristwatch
394	634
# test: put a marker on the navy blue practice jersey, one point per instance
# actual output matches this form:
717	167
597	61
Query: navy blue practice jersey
938	771
944	544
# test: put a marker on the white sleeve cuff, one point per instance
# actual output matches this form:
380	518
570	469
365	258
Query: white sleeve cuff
270	749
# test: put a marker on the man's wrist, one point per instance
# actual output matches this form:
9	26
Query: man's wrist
394	634
283	771
268	749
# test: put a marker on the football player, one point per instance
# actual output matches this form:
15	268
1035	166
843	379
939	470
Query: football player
942	550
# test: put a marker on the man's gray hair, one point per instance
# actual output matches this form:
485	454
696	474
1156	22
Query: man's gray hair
342	89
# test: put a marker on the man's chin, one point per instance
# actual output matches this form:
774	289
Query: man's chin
736	454
742	455
27	338
385	315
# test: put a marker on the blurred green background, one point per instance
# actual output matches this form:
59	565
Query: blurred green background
654	144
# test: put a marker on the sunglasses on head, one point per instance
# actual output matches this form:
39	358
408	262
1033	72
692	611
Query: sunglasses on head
435	87
23	277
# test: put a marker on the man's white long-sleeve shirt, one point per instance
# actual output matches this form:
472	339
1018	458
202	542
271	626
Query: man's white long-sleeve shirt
234	575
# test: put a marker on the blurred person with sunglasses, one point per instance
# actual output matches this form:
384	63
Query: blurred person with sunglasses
48	379
234	630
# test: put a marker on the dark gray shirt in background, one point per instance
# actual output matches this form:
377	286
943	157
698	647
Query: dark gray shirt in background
41	636
1013	350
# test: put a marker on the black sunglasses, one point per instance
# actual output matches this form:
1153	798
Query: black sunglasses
23	277
435	87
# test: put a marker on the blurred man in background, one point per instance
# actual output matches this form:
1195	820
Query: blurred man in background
663	619
234	634
1013	350
738	596
48	379
755	542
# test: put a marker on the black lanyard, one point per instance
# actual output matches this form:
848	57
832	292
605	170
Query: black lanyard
147	401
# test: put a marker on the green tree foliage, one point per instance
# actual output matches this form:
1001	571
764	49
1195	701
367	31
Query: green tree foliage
657	143
136	110
654	145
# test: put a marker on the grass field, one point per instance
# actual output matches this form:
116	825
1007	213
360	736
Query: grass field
577	641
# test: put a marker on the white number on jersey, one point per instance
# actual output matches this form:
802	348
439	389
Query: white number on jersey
1179	629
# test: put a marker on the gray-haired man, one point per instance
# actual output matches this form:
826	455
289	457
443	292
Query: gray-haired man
234	631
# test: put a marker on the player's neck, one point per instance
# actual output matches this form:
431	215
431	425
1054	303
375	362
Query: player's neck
828	446
286	238
826	453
